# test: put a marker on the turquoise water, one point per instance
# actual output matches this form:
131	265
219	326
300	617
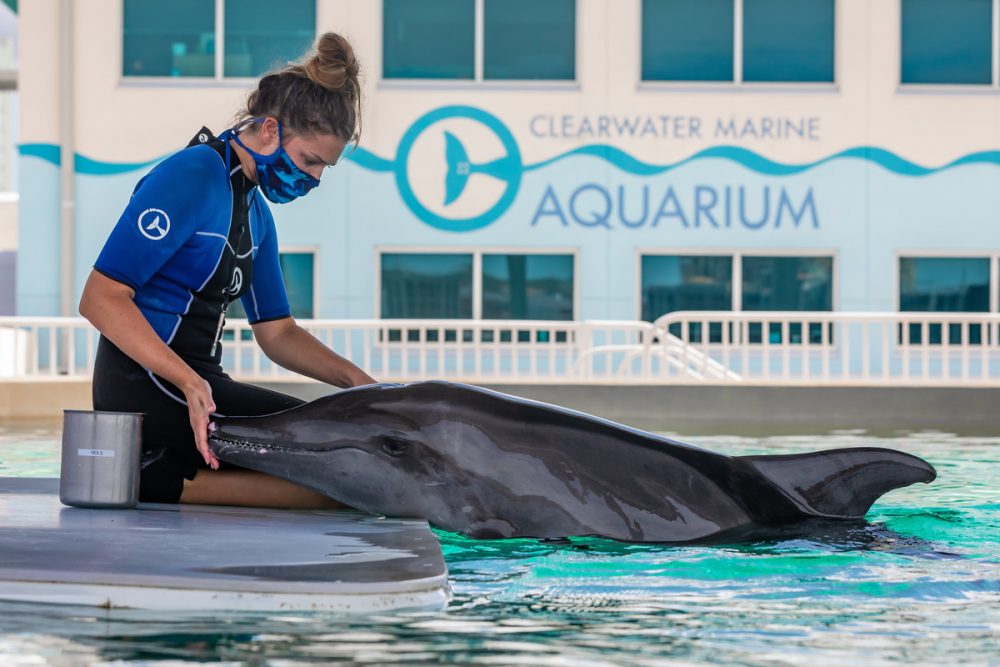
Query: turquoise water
918	584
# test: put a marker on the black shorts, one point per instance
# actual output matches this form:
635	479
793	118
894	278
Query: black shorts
169	454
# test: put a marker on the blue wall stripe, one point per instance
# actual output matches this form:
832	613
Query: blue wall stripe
617	157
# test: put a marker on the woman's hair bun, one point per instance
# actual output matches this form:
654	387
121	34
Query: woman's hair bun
333	65
319	93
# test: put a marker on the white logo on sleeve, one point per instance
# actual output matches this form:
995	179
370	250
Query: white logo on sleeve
154	224
237	284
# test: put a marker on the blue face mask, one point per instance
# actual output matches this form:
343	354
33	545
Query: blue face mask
278	178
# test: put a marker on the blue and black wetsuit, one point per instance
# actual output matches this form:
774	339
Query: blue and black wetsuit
195	235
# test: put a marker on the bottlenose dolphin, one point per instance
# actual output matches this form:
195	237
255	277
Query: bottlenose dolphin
489	465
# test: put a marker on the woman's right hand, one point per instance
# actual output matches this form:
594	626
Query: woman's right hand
198	394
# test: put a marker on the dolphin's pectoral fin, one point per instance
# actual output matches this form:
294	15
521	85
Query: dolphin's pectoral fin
491	529
841	483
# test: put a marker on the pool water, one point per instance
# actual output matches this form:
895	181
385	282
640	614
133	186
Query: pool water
919	583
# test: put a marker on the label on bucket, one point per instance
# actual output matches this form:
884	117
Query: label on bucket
105	453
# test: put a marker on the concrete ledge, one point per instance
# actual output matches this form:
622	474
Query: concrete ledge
746	410
31	399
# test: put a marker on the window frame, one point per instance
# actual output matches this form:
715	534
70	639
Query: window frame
478	82
993	257
738	83
938	88
477	253
219	79
737	255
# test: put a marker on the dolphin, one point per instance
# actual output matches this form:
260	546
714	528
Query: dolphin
489	465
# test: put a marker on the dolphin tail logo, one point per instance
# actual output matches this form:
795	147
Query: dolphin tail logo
459	168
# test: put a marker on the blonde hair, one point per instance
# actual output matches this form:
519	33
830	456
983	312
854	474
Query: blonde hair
319	94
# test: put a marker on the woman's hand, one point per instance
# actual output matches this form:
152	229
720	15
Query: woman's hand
198	394
110	307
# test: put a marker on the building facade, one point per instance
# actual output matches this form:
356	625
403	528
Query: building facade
554	159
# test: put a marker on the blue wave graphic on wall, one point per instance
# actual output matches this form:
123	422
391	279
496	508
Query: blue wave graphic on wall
82	164
368	160
615	156
759	163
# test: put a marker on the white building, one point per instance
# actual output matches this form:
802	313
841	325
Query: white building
554	159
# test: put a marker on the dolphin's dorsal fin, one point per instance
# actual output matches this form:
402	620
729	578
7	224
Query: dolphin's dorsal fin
840	483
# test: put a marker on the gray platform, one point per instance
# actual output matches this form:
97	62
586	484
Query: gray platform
211	557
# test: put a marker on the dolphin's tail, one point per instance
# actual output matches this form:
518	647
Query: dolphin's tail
459	168
840	483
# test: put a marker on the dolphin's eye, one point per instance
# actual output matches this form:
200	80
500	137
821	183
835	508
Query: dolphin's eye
394	446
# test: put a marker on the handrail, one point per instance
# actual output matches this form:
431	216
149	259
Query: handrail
692	347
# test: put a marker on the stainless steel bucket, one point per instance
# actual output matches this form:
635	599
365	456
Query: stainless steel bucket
101	453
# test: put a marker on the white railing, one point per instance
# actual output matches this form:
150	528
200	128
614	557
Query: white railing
801	348
958	349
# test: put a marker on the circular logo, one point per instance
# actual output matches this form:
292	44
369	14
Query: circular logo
154	224
433	159
237	284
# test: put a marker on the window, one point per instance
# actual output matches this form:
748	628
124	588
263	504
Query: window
258	38
788	40
441	285
431	286
671	283
528	287
944	284
439	39
948	42
298	269
685	282
181	38
434	39
738	40
687	40
787	283
529	39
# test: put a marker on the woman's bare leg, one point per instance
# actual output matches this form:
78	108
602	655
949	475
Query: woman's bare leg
248	488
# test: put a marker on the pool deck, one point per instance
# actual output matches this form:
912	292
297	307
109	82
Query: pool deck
186	557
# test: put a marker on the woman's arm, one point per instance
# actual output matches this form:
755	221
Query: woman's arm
292	347
109	306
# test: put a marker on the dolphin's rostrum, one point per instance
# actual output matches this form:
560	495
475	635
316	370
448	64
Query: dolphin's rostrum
490	465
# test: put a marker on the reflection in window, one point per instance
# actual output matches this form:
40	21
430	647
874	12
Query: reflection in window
788	40
687	40
178	38
431	39
259	39
787	283
298	270
946	41
944	284
174	38
685	282
528	287
433	286
529	39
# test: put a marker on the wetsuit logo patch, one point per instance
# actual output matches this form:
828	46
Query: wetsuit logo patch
237	283
154	224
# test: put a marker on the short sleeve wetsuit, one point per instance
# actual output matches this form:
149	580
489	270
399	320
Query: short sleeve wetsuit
195	235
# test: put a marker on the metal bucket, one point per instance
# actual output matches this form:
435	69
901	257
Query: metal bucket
101	453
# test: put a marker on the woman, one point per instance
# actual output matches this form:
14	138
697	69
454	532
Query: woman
196	235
